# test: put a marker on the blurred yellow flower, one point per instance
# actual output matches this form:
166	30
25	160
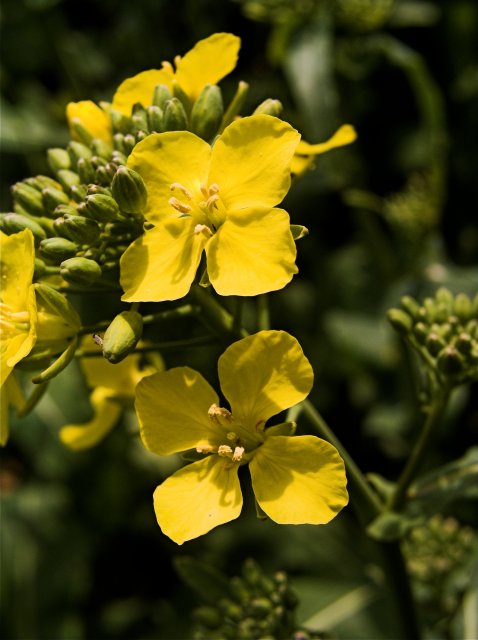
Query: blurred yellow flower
221	201
296	479
90	117
306	152
113	388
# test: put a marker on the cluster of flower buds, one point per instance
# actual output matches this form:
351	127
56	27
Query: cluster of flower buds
444	332
258	607
434	553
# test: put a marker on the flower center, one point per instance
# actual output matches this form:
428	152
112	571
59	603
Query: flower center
12	323
233	449
203	205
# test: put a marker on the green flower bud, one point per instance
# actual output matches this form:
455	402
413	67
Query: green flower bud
129	190
161	95
15	222
78	192
42	182
420	331
207	112
51	198
118	141
129	142
122	336
120	122
68	178
118	157
58	159
462	306
450	362
434	343
77	228
139	118
251	572
269	107
155	119
77	150
80	132
99	207
411	306
40	268
175	118
260	607
464	344
400	321
101	148
57	249
209	617
230	609
445	296
28	198
85	170
80	271
181	96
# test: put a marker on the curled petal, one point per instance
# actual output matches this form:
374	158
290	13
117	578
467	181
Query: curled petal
299	480
139	88
253	252
198	498
172	408
264	374
91	117
161	264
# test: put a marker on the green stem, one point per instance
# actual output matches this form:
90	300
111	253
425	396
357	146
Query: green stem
180	312
216	317
440	401
263	314
172	345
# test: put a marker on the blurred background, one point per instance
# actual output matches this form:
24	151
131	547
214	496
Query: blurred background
395	213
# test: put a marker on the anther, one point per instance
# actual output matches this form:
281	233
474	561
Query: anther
167	66
178	205
206	448
238	453
182	188
200	228
225	451
211	202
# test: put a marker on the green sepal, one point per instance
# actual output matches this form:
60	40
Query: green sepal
161	95
60	363
28	198
175	118
15	222
58	249
77	228
122	336
155	119
269	107
129	190
298	231
207	113
235	105
52	198
82	271
99	207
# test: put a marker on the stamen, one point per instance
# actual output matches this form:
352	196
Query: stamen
167	66
215	413
199	228
182	188
214	188
177	60
238	453
204	191
224	450
178	205
211	202
206	448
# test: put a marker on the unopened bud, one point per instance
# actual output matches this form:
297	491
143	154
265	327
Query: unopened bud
68	178
269	107
175	118
15	222
209	617
120	122
207	112
155	119
42	182
450	361
400	321
28	198
100	207
161	95
82	271
77	150
51	198
139	118
463	306
122	336
420	331
78	192
58	159
77	228
434	343
57	249
129	190
464	344
101	148
411	306
85	170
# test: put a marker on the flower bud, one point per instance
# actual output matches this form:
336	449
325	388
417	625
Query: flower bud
434	343
82	271
175	118
421	332
15	222
122	336
129	190
209	617
57	249
68	178
58	159
101	148
42	182
99	207
464	344
155	119
51	198
450	361
400	321
462	306
269	107
28	198
129	142
161	95
411	306
77	228
85	170
139	118
78	192
207	112
77	150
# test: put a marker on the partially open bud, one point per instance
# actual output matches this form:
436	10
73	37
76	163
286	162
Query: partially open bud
15	222
207	112
57	249
82	271
122	336
175	118
129	190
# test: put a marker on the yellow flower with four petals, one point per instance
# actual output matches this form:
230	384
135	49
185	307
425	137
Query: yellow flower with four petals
220	200
295	479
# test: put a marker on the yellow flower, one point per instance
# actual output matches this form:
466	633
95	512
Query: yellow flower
91	118
113	388
208	62
296	480
305	152
218	200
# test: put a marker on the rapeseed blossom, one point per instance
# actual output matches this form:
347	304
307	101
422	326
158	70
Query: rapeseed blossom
220	200
295	479
113	387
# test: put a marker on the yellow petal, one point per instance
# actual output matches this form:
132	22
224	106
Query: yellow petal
139	88
91	117
161	264
166	158
10	393
263	374
253	252
299	480
344	135
86	435
198	498
208	62
17	262
172	408
120	379
251	162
